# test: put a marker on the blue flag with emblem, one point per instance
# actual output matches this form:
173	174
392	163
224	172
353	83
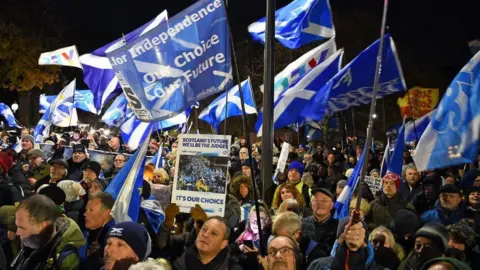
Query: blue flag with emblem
83	100
126	187
291	102
7	113
177	63
343	201
396	161
214	113
353	85
298	23
452	136
97	70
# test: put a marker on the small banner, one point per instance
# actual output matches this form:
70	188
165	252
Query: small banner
374	183
201	172
67	56
421	102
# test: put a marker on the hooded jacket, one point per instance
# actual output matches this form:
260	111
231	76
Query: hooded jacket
59	252
41	173
17	177
445	217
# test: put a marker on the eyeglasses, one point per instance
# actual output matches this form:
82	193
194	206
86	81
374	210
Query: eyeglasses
283	251
419	247
119	160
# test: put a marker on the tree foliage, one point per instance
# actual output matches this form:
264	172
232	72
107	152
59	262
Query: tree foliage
27	28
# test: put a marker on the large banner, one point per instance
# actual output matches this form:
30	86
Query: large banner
67	56
201	172
176	63
420	102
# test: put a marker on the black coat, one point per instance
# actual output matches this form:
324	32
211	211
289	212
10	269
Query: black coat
75	171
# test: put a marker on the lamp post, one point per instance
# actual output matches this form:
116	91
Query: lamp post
14	107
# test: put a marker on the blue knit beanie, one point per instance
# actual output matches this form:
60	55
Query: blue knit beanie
134	234
297	165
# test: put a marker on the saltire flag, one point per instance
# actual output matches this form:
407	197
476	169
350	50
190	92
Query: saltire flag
396	162
7	113
290	104
214	113
182	128
387	157
343	201
126	187
67	56
118	111
452	136
83	100
414	132
154	213
298	23
312	133
60	113
157	159
18	146
98	73
295	70
353	85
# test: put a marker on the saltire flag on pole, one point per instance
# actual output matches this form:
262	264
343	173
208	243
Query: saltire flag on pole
452	136
396	161
6	112
118	111
343	201
157	159
60	113
353	85
98	73
387	157
45	102
126	187
67	56
177	63
290	104
298	23
421	125
214	113
295	70
83	101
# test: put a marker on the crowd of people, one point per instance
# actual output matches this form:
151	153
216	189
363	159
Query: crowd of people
55	213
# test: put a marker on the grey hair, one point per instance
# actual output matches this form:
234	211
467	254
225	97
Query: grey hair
151	264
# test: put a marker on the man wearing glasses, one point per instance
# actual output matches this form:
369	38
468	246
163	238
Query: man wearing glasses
283	254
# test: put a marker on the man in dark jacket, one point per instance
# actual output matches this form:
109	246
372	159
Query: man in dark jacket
384	208
48	241
210	250
79	157
449	209
16	179
58	172
411	187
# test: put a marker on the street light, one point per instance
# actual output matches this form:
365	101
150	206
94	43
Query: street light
374	116
14	107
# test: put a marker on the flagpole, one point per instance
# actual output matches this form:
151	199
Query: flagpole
368	141
247	137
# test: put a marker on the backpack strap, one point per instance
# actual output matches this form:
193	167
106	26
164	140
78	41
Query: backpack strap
311	246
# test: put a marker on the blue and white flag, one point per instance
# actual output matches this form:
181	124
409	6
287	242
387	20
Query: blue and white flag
312	133
414	132
18	146
353	85
6	112
118	112
177	63
126	187
60	113
84	101
290	104
452	136
387	157
157	159
45	102
298	23
295	70
214	113
97	70
396	162
343	201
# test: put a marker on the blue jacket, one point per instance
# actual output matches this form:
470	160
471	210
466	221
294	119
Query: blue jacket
439	214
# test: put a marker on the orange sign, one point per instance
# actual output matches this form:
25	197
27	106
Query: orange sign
420	102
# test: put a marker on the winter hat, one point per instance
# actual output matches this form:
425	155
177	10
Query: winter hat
297	165
78	148
374	170
53	192
29	137
324	191
94	166
435	232
73	190
6	161
134	234
101	183
392	177
405	222
450	188
463	232
457	265
34	153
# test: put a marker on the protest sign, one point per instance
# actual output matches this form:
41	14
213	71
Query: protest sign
418	102
104	158
47	149
201	172
374	183
177	63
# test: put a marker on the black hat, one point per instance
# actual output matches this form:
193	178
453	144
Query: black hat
94	166
79	148
55	193
435	232
322	190
450	188
60	162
